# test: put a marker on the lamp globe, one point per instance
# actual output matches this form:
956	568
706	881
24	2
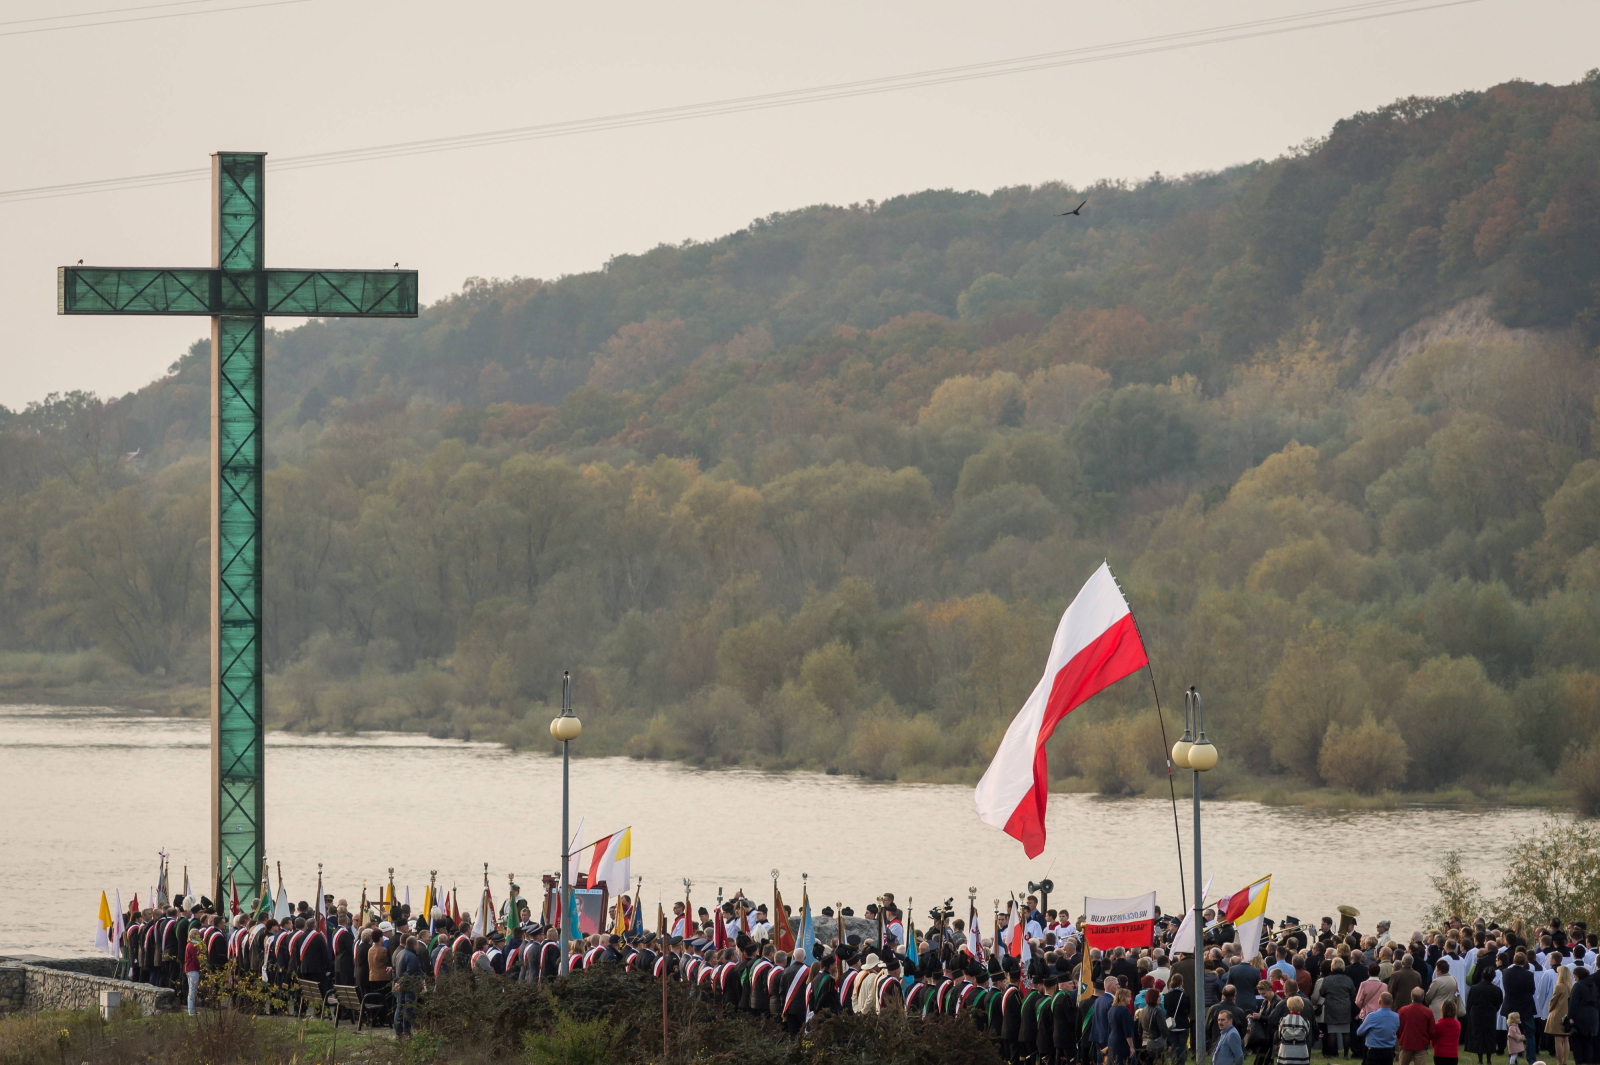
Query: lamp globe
1180	753
1202	756
566	727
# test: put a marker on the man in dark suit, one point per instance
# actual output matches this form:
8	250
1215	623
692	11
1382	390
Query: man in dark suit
1228	1005
1244	977
1518	982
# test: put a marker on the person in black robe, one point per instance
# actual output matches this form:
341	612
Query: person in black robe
132	947
316	960
825	986
549	958
891	995
994	1007
1028	1025
794	998
758	988
1044	1035
343	947
1064	1014
1483	1005
1011	1011
217	945
1583	1008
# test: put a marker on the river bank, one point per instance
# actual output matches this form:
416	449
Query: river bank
90	679
93	794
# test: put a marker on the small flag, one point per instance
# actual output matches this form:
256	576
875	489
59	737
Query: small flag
974	935
134	905
121	924
162	897
1017	941
283	909
661	920
911	943
483	924
427	906
780	921
187	897
105	929
719	930
1246	908
808	935
611	862
233	893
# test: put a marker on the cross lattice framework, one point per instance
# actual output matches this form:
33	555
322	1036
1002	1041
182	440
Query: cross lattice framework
237	292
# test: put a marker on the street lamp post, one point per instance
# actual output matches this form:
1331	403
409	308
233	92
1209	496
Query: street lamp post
566	728
1195	752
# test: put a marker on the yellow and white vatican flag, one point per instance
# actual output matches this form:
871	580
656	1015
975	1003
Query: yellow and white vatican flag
105	928
1246	908
612	862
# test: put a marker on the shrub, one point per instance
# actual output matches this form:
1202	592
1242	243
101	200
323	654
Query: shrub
1581	771
1365	758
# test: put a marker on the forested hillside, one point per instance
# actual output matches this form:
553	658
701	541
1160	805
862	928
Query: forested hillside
813	494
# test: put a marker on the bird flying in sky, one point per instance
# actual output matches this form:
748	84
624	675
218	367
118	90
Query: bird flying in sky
1076	210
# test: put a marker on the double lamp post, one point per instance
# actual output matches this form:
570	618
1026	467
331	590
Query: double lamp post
1195	752
566	727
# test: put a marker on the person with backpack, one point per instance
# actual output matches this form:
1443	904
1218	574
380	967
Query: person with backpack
1294	1034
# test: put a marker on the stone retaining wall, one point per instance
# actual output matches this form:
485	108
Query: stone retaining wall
35	988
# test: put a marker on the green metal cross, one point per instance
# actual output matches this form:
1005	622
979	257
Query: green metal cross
237	292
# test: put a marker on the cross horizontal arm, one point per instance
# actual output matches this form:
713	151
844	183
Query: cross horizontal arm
304	293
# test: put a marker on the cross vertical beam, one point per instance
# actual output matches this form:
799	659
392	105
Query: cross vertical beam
238	801
237	291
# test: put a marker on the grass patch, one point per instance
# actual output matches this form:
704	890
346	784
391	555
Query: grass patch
216	1037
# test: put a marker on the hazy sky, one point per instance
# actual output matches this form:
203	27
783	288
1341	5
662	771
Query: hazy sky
321	75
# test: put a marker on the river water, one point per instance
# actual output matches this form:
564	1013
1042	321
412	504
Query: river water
91	794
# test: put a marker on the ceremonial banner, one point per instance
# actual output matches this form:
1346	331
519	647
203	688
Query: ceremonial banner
589	910
1111	923
808	935
1096	644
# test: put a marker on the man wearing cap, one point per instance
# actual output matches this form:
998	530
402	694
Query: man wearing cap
1065	1018
851	976
864	996
890	989
756	976
1044	1027
922	997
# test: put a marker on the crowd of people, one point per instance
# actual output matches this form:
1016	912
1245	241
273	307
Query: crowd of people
1050	999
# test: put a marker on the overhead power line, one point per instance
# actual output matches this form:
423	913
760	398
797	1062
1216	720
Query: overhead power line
140	18
1282	24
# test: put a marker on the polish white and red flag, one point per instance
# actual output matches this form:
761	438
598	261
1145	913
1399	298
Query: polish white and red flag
1096	645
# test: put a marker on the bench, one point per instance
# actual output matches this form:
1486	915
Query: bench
306	993
347	999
